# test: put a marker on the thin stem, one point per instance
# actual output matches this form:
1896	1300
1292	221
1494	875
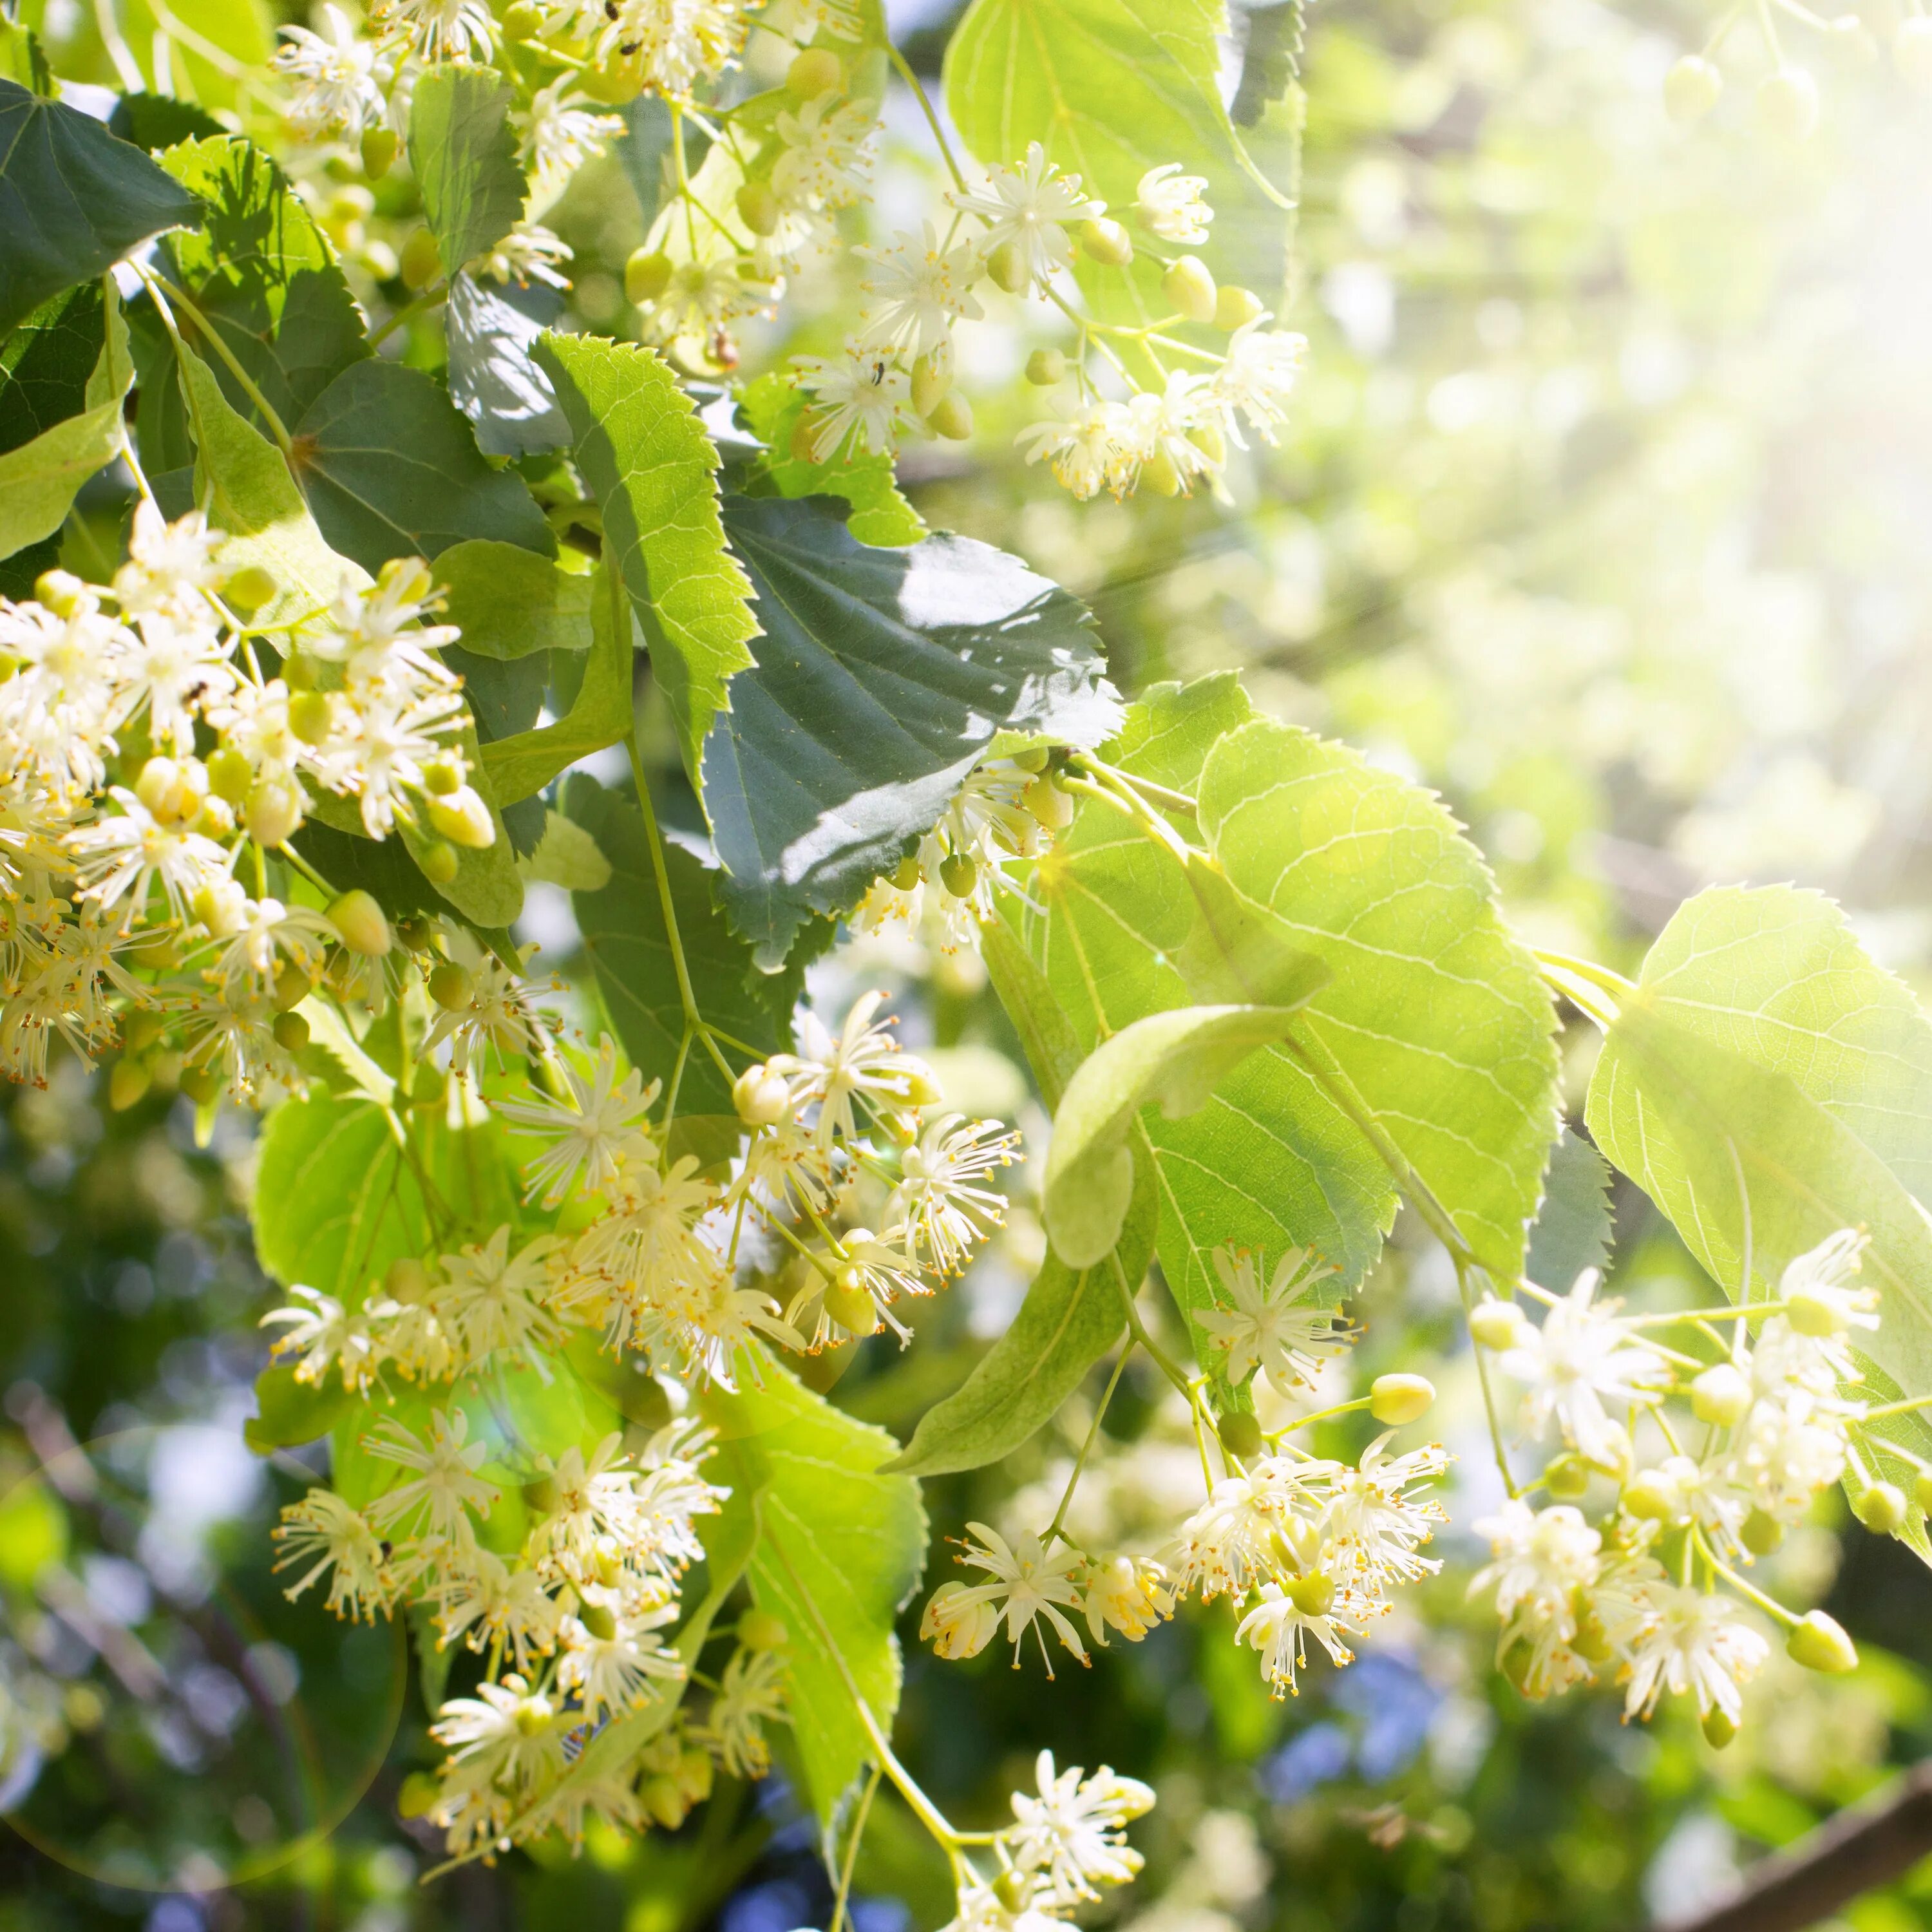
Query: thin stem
1501	1454
1905	1408
1137	1328
1769	1605
132	78
213	337
1156	794
1053	1529
438	291
1321	1415
307	871
905	71
864	1812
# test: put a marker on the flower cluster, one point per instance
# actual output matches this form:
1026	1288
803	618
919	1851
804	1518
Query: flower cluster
1303	1545
1650	1593
153	767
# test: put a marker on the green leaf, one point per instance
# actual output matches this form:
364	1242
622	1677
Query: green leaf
883	677
1270	1162
1070	1318
492	380
1762	1041
566	855
653	471
603	712
157	121
772	406
251	495
1434	1016
1176	1058
23	60
40	479
46	362
623	929
289	1413
463	152
840	1550
391	469
509	602
264	276
1111	89
74	200
1572	1230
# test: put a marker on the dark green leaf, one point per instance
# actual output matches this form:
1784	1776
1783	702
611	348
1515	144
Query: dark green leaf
463	152
504	698
153	121
391	469
653	471
509	602
72	200
491	331
264	275
883	677
1572	1230
288	1413
772	406
46	362
623	930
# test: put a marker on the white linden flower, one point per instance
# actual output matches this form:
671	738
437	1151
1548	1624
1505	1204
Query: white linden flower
1377	1524
923	289
175	668
500	1016
529	253
864	1060
336	76
673	44
1030	1581
827	159
1694	1642
267	933
504	1736
114	857
618	1671
1260	374
1085	450
488	1603
861	401
1170	203
1128	1594
1540	1559
324	1531
439	29
169	566
1580	1358
940	1199
445	1483
494	1304
595	1128
317	1327
63	699
1073	1832
1821	1280
1279	1629
959	1621
559	131
750	1695
1031	207
1279	1328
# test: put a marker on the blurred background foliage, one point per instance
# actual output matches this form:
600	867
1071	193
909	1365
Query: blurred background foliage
1604	511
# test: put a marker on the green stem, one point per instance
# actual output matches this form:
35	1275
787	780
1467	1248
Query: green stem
1053	1529
904	72
430	296
1769	1605
1137	1328
864	1812
157	284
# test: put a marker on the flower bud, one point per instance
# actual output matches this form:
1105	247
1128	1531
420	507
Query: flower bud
202	1084
1010	1889
1787	104
931	377
761	1097
1652	1496
1397	1399
597	1619
1495	1324
463	819
127	1082
1234	306
817	71
159	787
1046	367
1566	1477
758	208
695	1772
646	275
1820	1642
1051	808
406	1279
215	819
451	986
523	20
59	591
293	986
951	417
759	1629
959	874
849	1303
1911	50
420	263
533	1716
291	1032
1107	242
221	908
1188	285
1720	1395
248	588
907	873
1313	1595
1241	1435
1007	266
1691	88
1719	1727
1882	1507
616	84
1159	474
1814	1311
379	150
358	921
442	776
311	715
229	774
438	861
1761	1533
420	1791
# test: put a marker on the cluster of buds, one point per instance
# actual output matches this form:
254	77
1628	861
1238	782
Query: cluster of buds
1650	1593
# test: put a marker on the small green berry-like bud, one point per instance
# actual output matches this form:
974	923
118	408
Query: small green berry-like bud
523	21
1720	1728
1397	1399
1820	1643
1189	285
379	151
1921	1490
646	275
1107	242
359	919
1007	266
951	417
931	377
1566	1477
463	819
1496	1324
451	986
1234	306
438	861
1313	1595
293	986
597	1619
1650	1495
761	1097
1787	104
229	774
758	207
1009	1888
249	588
959	874
1761	1533
59	591
908	873
310	715
615	83
159	787
759	1629
442	776
1691	88
848	1303
291	1032
533	1716
1720	1395
420	1791
1881	1507
128	1081
202	1084
1046	367
420	263
1241	1435
1159	474
817	71
406	1279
